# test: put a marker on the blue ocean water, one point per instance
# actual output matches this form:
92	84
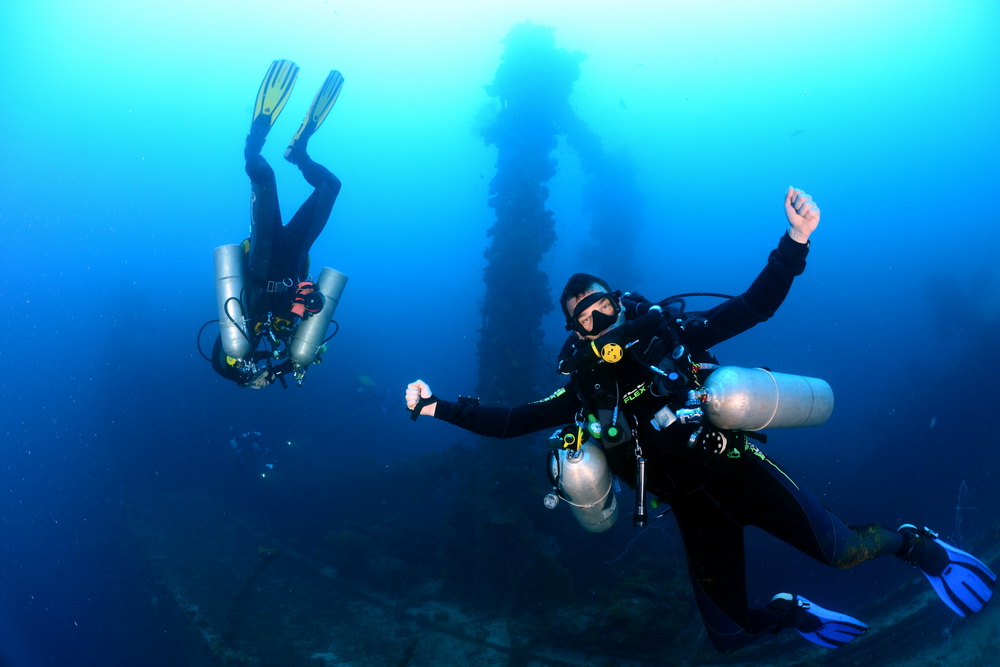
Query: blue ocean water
122	169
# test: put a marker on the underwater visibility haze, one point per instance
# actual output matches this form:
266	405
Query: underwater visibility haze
132	533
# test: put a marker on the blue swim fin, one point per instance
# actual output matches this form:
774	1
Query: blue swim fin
820	626
962	581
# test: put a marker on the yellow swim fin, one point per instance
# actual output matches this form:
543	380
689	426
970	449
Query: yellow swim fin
272	96
318	111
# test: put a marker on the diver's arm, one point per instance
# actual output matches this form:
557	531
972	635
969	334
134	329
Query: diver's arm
771	286
754	306
231	371
219	364
266	376
496	422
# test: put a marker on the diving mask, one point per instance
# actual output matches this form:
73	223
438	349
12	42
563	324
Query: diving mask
599	319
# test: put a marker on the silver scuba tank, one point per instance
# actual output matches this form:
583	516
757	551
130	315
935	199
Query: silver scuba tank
583	480
229	278
311	331
751	399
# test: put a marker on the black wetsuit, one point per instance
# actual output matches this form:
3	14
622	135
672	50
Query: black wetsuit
278	257
714	495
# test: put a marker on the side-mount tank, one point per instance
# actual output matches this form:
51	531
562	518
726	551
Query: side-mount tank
229	280
311	331
584	481
752	399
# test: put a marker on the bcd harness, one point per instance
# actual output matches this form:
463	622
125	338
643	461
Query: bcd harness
665	389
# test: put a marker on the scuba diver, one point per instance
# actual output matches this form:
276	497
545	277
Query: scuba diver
252	453
272	316
645	402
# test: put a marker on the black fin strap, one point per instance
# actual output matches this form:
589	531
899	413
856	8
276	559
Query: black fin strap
421	404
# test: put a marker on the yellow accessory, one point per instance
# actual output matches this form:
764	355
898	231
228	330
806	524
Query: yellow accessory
612	353
231	361
277	323
573	440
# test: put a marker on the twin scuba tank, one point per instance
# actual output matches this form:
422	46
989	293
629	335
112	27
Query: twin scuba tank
732	398
234	321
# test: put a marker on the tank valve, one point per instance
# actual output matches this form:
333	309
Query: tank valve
663	418
690	415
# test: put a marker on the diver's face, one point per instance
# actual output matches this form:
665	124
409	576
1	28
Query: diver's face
585	318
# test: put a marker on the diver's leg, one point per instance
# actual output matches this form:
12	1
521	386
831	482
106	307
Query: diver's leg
265	216
308	222
751	490
716	562
770	500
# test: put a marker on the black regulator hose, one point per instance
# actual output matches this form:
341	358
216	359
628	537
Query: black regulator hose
623	336
336	330
645	324
230	317
198	339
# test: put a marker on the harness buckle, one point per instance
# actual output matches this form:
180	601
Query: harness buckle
276	286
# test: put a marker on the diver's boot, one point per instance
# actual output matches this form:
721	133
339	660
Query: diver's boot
962	581
820	626
256	137
296	154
